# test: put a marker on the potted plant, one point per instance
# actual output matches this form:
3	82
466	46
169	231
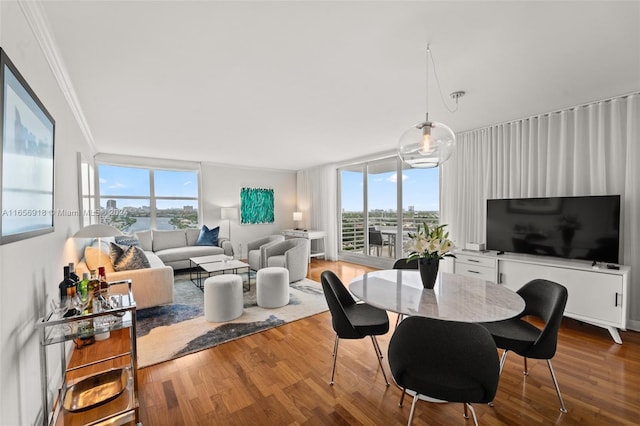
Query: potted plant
429	245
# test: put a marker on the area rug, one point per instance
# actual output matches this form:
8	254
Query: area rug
171	331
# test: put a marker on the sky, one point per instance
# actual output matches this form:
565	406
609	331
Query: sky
420	189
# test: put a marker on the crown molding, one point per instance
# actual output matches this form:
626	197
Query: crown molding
36	19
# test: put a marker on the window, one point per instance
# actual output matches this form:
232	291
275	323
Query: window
374	188
135	198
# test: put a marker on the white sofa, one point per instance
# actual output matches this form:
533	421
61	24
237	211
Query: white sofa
165	251
175	247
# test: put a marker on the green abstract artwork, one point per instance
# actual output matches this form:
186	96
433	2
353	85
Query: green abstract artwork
256	205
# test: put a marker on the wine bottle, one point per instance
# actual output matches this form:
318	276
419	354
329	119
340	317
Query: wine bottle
62	287
69	284
104	285
72	272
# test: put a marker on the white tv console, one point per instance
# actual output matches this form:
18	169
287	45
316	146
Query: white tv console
597	295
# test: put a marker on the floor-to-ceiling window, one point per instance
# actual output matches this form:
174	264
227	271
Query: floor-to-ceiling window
138	198
381	202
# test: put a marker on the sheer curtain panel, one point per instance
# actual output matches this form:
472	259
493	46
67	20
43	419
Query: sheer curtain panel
317	200
588	150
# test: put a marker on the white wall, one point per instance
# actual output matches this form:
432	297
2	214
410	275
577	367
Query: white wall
30	270
221	188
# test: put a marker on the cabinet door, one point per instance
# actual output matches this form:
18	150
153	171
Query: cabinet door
475	266
475	271
592	295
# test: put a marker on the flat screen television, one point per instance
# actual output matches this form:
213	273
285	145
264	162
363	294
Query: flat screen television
585	228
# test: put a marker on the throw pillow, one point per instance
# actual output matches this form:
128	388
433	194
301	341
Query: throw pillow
126	240
116	252
94	258
208	237
131	258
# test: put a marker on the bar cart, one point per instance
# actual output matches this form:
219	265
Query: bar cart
93	392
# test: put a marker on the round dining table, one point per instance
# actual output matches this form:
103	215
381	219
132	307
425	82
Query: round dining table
454	297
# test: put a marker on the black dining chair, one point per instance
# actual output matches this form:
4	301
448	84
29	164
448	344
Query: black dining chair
403	264
352	320
545	300
376	240
446	360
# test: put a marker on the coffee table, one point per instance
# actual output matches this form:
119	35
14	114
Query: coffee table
218	263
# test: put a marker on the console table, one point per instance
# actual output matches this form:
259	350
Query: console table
597	295
318	236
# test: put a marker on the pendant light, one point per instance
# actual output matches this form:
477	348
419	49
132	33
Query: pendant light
428	143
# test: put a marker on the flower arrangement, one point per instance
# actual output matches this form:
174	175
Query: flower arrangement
429	243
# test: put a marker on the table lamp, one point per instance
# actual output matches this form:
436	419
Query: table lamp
297	217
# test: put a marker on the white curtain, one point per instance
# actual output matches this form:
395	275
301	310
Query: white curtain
587	150
317	200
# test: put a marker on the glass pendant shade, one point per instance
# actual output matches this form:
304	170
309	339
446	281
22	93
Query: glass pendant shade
427	144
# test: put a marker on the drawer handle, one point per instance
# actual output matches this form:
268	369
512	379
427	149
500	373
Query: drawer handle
618	297
474	260
473	272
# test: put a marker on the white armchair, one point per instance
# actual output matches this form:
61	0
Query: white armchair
292	254
255	250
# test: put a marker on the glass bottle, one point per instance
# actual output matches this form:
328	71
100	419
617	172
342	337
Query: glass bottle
67	287
72	272
101	301
93	287
82	287
104	285
62	287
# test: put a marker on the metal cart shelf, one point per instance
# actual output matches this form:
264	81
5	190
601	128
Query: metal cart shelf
79	399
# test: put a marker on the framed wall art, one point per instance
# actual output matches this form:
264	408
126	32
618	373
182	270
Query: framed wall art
27	158
256	205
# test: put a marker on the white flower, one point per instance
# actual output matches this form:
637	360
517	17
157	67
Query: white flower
428	243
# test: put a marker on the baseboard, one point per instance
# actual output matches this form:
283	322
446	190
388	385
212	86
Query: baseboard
633	325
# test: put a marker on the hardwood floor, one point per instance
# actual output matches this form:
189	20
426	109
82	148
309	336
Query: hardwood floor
280	377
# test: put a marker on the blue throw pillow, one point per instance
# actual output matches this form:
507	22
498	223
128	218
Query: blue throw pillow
208	237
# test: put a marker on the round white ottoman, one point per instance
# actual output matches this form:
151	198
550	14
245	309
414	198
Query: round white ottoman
223	297
272	287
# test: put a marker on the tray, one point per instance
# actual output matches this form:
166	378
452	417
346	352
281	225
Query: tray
95	390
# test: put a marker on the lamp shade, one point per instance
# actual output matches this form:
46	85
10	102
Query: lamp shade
426	144
97	230
297	216
228	213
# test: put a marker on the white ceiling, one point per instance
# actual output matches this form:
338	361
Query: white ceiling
293	84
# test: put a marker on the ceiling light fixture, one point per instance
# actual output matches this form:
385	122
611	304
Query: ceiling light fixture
429	143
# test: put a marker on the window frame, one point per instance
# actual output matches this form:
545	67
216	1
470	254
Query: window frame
152	197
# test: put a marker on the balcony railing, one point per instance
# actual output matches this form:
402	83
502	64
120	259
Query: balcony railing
353	226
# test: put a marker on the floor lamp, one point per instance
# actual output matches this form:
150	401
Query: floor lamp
229	213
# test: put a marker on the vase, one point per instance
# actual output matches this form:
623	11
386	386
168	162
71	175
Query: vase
428	271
